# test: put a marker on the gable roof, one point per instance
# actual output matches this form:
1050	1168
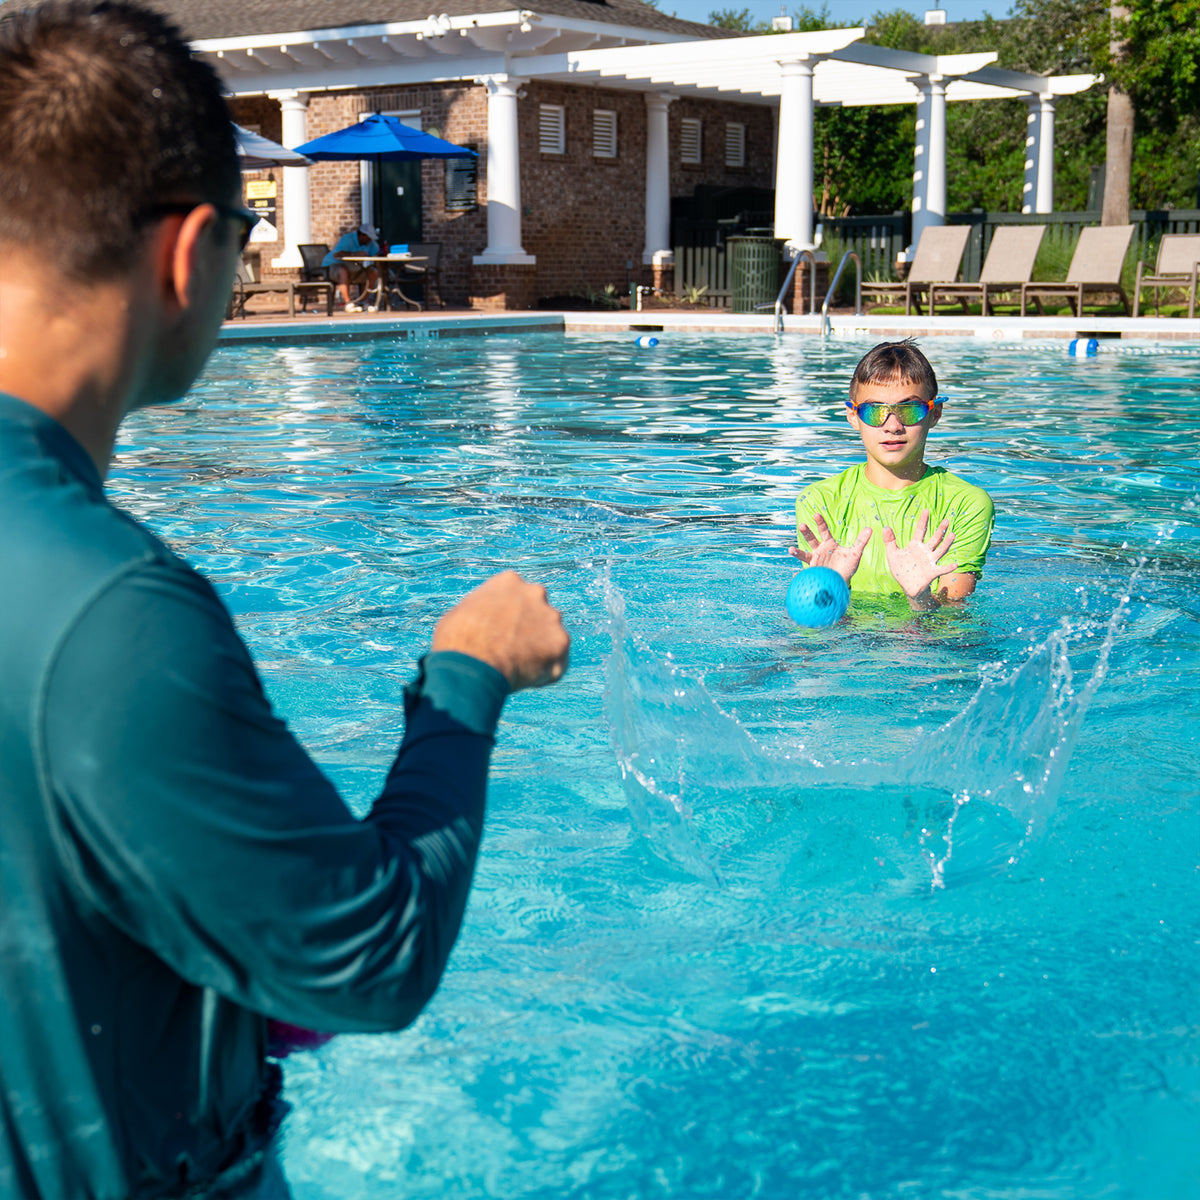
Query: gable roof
211	19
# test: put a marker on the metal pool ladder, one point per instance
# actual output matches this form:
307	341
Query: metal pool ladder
787	283
826	324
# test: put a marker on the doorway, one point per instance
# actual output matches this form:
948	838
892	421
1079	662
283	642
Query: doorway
391	191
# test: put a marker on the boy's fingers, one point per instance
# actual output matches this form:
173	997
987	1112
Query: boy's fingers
889	536
796	552
922	525
822	527
810	537
862	539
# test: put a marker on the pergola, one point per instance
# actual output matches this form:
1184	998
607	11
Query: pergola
794	72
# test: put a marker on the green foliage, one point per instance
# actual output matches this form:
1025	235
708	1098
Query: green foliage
733	18
986	141
863	157
1160	62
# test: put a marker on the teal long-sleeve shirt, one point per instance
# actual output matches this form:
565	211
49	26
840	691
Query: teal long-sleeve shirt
174	868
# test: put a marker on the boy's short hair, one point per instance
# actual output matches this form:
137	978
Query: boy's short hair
104	117
895	362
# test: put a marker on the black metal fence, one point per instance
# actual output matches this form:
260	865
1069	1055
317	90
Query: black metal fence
878	239
700	260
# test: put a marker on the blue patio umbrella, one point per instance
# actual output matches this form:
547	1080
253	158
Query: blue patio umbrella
380	138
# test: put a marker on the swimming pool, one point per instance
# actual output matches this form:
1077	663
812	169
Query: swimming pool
906	908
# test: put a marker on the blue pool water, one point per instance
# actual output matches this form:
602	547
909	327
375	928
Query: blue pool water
904	908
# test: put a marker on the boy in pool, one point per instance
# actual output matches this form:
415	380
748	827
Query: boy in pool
872	522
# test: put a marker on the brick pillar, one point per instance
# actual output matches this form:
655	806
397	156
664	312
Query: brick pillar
663	272
502	287
800	286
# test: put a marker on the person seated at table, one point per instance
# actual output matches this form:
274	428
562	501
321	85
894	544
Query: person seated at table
360	240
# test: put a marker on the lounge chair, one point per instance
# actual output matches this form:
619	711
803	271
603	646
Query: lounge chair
1095	267
938	257
1178	254
1008	265
245	286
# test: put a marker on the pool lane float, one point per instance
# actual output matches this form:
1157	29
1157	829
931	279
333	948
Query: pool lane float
817	597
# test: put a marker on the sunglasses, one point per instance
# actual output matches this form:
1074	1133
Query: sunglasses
875	412
243	216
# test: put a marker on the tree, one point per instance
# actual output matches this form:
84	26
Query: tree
1118	150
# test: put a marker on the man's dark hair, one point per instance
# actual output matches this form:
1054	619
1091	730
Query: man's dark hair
895	362
104	114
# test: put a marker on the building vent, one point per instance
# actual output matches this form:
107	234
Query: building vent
689	140
604	133
735	144
552	123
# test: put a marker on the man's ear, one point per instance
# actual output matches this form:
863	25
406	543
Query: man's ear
182	239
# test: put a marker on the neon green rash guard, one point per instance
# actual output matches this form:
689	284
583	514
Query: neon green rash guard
174	868
850	501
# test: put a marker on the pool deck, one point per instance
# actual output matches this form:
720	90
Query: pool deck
458	323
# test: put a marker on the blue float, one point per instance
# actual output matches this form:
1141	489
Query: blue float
646	341
817	597
1080	349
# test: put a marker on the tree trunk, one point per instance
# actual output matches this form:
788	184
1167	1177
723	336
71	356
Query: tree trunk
1118	160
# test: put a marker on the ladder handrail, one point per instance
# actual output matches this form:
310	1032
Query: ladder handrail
787	283
826	324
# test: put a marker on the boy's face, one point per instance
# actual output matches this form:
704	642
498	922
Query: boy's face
895	451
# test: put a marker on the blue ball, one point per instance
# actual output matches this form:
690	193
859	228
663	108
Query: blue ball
646	342
817	597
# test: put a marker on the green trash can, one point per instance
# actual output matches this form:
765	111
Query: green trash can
754	264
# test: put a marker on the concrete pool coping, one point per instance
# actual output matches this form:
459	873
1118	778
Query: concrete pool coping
421	326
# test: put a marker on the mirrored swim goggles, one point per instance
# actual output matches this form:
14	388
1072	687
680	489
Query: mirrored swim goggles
875	412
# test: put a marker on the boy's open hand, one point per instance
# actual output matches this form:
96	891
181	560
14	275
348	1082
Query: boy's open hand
916	566
825	551
508	624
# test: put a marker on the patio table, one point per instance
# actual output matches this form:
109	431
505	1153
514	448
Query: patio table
387	280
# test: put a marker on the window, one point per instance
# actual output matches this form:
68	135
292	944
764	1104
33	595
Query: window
689	140
552	129
604	133
735	144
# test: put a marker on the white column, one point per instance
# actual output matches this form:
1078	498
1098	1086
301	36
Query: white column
1030	184
658	177
794	156
503	174
1044	201
297	199
929	171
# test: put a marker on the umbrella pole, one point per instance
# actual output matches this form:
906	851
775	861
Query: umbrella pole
379	198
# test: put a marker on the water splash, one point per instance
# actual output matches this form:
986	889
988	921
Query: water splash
968	800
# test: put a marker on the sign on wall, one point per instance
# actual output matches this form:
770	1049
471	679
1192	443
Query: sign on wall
462	183
261	200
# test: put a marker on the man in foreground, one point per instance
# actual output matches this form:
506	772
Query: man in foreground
174	869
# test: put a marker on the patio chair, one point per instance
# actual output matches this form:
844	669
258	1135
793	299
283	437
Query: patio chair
938	257
1095	267
314	280
245	286
426	272
1008	265
1178	254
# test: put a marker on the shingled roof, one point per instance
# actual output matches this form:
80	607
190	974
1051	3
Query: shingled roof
202	19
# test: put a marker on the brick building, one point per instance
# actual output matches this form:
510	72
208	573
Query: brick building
590	118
